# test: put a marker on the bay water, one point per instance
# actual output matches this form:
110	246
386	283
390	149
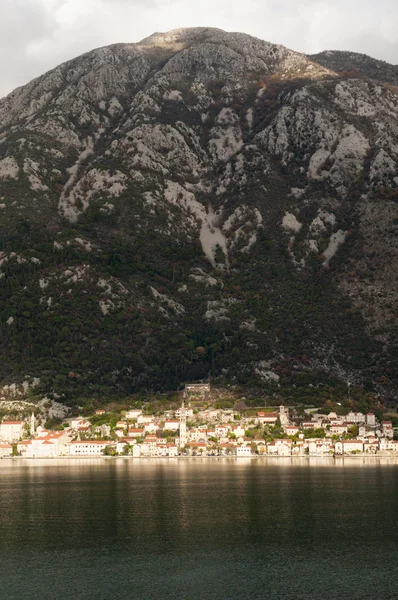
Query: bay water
199	529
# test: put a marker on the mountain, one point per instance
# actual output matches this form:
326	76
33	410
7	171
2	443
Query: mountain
199	204
359	64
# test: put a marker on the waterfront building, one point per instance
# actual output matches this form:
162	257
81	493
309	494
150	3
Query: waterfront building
5	450
243	451
12	431
88	447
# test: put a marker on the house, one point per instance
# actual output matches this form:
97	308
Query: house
371	420
338	429
198	435
238	430
226	449
386	445
135	432
267	418
103	430
291	429
88	447
371	446
318	447
144	419
5	450
121	425
41	448
172	450
309	425
280	447
222	430
387	429
23	446
188	413
12	431
207	415
348	446
133	414
197	447
171	425
121	446
151	428
355	417
136	451
99	412
79	422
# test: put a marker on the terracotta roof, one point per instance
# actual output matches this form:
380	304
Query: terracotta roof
91	442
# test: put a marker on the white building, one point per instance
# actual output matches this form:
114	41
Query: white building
291	429
5	450
135	432
151	428
267	418
87	447
243	451
348	446
387	429
172	425
280	447
371	420
79	422
145	419
355	417
133	414
12	431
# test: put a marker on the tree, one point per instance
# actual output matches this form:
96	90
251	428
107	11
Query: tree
109	451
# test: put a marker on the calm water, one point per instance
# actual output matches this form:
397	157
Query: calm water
199	529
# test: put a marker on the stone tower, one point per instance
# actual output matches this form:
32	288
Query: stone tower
183	425
32	424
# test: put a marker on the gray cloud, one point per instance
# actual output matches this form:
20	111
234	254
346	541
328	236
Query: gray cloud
36	35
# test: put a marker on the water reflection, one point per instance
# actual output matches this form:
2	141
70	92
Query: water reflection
208	527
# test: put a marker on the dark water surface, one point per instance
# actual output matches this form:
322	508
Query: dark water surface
199	529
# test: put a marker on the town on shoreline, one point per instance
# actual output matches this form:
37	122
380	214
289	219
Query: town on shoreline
199	429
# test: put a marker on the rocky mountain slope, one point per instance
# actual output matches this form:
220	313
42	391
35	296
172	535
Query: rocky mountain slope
201	203
355	63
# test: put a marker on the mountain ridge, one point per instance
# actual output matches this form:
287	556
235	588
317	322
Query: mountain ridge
199	203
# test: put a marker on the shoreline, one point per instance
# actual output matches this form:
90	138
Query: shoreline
202	458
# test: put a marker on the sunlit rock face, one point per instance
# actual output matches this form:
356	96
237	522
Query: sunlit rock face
212	187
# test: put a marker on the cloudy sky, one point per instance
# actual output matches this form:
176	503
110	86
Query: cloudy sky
36	35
